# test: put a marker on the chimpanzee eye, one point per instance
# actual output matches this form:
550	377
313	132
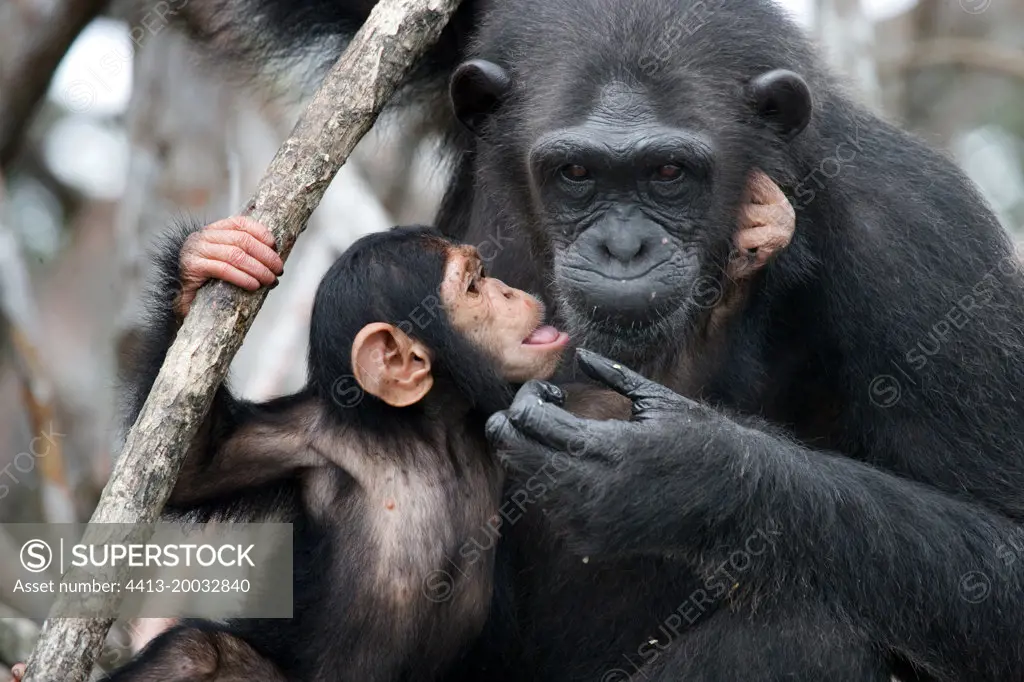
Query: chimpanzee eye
574	173
668	173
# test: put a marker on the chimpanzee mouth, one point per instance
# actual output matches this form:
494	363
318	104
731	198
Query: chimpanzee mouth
622	317
628	340
546	336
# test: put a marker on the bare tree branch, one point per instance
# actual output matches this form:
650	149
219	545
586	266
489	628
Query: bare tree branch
397	33
284	335
35	41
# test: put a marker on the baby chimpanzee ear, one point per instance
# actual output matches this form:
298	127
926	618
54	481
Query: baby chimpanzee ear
476	90
390	365
783	99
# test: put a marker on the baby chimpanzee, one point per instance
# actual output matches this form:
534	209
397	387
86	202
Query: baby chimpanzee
380	462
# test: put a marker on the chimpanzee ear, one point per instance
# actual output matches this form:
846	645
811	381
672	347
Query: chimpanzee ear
390	365
783	99
476	90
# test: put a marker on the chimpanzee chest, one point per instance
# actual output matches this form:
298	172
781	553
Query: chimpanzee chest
426	541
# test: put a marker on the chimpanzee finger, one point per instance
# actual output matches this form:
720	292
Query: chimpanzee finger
552	426
515	450
518	453
238	259
540	391
645	394
761	189
781	217
767	232
246	224
248	244
207	268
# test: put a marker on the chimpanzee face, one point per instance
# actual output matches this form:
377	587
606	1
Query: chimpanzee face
624	199
488	322
503	322
634	194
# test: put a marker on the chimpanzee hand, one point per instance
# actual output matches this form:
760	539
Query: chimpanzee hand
611	484
767	221
238	250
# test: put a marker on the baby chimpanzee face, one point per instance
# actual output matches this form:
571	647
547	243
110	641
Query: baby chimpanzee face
503	322
494	333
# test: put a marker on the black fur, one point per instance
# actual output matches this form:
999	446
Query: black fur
395	277
891	331
381	498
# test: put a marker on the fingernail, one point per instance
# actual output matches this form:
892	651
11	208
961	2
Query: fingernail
274	285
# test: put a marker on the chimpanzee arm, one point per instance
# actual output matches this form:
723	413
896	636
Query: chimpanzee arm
247	445
921	572
239	444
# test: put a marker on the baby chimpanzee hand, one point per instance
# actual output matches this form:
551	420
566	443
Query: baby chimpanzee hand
238	250
766	225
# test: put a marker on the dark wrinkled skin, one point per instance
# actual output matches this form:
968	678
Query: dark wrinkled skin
598	459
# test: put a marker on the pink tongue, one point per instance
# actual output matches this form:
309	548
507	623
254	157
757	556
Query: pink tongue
545	334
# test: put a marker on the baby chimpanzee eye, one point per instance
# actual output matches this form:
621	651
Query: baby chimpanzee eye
480	274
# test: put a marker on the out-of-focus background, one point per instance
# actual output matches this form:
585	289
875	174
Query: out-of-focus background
136	130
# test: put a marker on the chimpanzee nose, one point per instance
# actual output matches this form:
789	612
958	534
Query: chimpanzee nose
626	268
502	288
624	249
623	244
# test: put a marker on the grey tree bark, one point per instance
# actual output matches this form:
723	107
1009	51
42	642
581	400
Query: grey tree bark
344	108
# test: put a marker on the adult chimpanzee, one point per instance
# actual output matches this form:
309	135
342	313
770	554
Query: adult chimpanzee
885	345
390	492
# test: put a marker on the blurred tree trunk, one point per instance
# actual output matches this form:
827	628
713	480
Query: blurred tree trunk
962	85
848	37
34	35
